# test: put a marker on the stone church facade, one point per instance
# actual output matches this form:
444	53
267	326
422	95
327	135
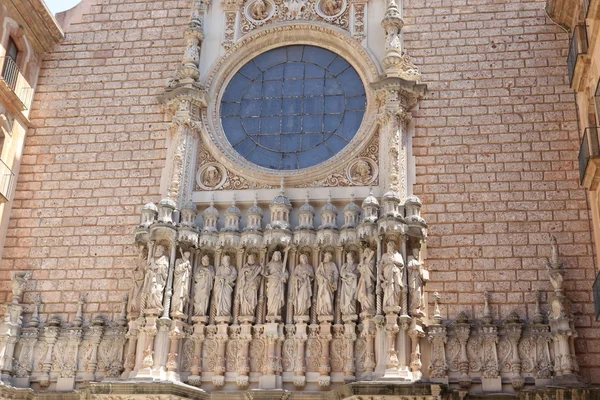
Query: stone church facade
306	198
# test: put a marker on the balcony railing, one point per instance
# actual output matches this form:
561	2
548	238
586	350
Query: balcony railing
7	178
578	46
15	81
589	148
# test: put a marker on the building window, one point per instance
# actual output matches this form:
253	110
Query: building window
10	70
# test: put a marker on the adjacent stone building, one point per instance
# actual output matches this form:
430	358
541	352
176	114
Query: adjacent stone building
304	198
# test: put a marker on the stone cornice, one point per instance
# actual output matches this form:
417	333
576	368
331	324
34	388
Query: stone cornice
41	27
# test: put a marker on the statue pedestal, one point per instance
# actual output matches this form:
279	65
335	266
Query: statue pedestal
269	380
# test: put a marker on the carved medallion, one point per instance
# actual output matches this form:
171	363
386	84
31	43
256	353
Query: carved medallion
362	171
211	176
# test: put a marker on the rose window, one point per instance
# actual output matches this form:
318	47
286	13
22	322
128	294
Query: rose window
293	107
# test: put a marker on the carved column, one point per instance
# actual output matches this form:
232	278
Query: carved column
50	336
148	333
416	333
94	337
514	329
243	359
221	337
198	337
10	329
350	338
29	338
301	338
175	337
324	361
132	336
358	25
437	336
368	335
462	329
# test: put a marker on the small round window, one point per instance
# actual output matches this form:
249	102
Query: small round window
293	107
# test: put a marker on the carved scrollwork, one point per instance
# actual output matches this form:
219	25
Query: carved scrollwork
452	353
474	353
288	355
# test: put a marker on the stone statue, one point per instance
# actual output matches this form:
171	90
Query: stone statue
415	284
203	282
366	282
18	285
212	177
327	280
276	276
137	275
302	286
156	280
181	284
258	10
349	283
249	284
391	280
224	283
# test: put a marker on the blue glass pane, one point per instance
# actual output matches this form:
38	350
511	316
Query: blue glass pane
292	88
338	66
314	87
334	104
293	107
254	91
272	89
294	70
274	73
294	53
251	125
250	108
271	58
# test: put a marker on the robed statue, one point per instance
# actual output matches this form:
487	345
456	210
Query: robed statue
276	276
366	282
181	284
156	280
349	277
224	283
327	281
203	283
392	266
250	278
302	286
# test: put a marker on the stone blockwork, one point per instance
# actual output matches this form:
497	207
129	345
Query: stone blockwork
496	147
94	155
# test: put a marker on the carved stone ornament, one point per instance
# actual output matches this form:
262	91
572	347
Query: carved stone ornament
211	176
362	171
259	11
330	9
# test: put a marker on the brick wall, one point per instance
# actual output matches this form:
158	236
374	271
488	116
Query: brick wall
496	147
94	155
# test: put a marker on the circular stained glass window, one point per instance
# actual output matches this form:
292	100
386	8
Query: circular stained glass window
293	107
